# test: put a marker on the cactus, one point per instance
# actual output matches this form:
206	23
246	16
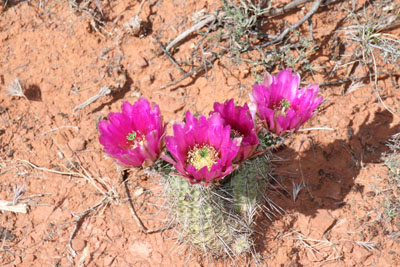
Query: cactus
248	186
218	219
204	219
268	139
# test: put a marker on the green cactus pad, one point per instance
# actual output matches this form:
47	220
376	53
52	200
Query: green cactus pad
219	219
248	185
203	218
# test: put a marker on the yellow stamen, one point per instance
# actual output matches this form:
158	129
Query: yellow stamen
235	134
138	141
205	155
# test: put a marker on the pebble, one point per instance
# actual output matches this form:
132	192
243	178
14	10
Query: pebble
108	260
322	221
157	257
78	244
140	249
141	62
77	144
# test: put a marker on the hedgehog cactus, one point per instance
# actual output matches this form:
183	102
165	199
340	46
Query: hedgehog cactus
215	179
248	186
204	219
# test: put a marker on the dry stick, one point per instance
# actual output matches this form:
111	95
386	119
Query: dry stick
139	222
169	56
140	8
292	5
208	19
279	11
194	71
105	90
311	12
211	18
78	223
353	79
395	24
78	174
132	209
8	206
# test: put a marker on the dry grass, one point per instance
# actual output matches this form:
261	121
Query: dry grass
392	161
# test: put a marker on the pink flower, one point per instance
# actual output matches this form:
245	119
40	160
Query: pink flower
202	149
281	105
135	136
242	125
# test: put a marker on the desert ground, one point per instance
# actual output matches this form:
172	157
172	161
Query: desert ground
66	64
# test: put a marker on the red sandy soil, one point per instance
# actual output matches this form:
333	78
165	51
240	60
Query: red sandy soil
74	191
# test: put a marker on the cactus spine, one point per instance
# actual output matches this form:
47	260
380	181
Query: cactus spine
202	216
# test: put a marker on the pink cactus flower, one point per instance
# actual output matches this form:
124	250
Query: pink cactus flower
135	136
242	125
202	149
281	105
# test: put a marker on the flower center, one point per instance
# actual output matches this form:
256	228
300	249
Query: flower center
285	103
235	134
282	107
134	140
205	155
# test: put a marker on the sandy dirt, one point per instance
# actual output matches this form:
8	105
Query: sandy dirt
62	57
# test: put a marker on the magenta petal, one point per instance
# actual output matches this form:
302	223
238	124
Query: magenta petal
280	104
199	132
140	118
241	122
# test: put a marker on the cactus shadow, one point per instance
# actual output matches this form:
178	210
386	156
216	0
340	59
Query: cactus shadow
328	172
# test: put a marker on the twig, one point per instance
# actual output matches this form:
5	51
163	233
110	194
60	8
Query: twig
316	128
132	209
49	170
208	19
353	79
138	221
8	206
140	7
78	223
195	70
59	128
87	177
105	90
393	25
169	56
311	12
293	4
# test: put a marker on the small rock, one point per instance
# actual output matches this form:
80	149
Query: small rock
141	62
60	154
320	224
231	81
334	192
17	261
28	259
360	254
65	262
371	194
78	244
303	224
10	153
77	144
108	260
347	247
341	227
140	249
157	257
133	25
138	192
